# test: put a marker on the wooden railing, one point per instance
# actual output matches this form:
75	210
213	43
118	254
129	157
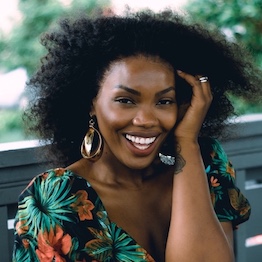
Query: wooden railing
19	165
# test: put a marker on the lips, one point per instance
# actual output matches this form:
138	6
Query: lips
141	143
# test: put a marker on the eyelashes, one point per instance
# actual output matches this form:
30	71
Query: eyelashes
129	101
166	102
124	100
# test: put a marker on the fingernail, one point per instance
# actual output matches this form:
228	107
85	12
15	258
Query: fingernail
179	71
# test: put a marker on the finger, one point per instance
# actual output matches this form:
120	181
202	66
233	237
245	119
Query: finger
193	81
205	83
190	79
200	88
182	110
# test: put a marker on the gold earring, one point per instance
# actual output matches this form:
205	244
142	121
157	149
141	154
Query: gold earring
91	147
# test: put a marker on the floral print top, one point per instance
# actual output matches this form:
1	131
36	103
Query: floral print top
61	218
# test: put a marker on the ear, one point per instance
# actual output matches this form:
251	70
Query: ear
92	112
92	109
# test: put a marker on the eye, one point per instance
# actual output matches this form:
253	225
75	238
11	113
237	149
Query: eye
124	100
166	101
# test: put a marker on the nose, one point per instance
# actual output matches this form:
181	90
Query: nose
145	117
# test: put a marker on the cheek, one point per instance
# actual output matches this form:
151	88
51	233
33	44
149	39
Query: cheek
169	119
110	119
171	123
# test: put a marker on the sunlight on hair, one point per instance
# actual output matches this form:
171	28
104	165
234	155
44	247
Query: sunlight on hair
156	5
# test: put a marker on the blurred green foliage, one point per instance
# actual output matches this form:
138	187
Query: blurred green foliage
10	125
243	107
21	47
10	119
241	22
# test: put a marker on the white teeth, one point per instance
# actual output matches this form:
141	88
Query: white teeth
141	147
141	142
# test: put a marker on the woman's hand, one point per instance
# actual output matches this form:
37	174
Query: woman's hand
193	118
194	227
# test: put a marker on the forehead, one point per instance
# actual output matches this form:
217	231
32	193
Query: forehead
142	60
138	66
141	74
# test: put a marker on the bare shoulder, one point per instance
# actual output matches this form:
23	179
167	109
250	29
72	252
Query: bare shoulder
82	168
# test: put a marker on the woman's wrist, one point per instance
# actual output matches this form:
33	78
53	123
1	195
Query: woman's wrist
186	143
186	150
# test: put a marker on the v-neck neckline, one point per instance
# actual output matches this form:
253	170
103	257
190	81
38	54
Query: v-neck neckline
98	199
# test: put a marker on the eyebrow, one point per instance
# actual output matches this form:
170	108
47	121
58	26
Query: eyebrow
137	93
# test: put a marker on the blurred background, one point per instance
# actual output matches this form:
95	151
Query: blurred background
23	21
21	24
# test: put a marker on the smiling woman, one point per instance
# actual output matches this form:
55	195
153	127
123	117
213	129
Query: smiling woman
131	106
136	104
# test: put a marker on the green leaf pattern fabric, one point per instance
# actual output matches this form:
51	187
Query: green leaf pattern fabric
61	218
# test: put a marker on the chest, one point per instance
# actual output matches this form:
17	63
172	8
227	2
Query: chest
144	215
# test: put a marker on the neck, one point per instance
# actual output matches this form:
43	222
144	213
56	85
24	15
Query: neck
110	171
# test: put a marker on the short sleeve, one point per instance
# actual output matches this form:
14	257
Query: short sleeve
60	217
42	208
229	202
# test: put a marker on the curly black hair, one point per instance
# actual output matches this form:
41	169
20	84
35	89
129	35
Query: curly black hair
80	50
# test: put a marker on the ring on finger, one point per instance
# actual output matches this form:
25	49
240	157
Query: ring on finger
203	79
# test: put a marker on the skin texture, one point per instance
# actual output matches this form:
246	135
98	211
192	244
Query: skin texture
80	49
203	236
116	69
137	97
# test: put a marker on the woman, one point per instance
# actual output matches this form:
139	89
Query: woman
141	95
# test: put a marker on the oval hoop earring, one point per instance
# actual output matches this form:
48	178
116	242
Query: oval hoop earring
92	144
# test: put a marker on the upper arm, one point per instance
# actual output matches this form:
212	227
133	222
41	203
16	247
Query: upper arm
229	203
228	230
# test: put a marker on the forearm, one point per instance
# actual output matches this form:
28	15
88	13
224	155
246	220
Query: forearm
195	233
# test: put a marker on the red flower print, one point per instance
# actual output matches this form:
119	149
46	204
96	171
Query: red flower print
230	170
52	245
59	171
146	256
25	243
44	176
20	228
83	206
214	182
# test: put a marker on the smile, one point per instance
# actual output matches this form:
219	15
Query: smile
141	143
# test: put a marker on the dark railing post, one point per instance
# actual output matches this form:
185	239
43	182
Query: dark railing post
17	168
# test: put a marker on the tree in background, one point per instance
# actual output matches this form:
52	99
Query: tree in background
21	48
240	21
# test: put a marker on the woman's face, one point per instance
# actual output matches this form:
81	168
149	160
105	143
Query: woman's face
135	109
